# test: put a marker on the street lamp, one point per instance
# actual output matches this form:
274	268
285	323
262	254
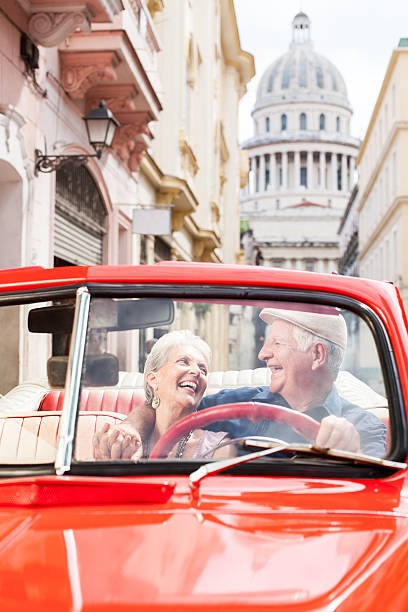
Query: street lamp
100	127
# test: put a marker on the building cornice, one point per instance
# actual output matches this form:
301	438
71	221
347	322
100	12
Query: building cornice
304	137
399	203
242	61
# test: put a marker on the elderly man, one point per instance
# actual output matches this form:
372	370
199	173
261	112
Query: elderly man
303	352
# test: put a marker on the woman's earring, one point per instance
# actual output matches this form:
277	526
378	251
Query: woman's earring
155	401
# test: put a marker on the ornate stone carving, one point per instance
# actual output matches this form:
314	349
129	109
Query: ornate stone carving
190	163
80	71
119	98
177	220
50	29
154	6
130	145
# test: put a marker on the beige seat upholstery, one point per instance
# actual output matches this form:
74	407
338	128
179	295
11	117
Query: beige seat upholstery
32	438
23	398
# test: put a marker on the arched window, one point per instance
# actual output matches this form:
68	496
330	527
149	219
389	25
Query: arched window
267	124
284	122
302	121
322	122
337	124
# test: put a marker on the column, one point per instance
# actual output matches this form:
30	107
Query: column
297	170
322	162
262	173
352	171
284	170
334	171
251	178
272	173
344	182
310	181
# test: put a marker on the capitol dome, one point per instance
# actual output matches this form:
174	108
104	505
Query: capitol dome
302	159
301	74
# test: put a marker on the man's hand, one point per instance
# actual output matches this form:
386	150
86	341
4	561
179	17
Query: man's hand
338	433
120	441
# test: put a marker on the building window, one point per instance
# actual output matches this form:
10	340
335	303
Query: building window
339	181
337	124
310	265
277	263
302	121
319	77
322	122
257	173
284	122
267	124
303	177
267	171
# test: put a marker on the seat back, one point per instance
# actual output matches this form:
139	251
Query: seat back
32	437
115	399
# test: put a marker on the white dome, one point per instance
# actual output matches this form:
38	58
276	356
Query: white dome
301	74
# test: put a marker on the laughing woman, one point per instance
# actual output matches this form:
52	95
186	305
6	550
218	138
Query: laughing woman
175	376
175	380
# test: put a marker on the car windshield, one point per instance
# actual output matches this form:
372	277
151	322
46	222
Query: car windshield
184	379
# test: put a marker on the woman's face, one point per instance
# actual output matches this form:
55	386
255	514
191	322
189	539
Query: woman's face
182	380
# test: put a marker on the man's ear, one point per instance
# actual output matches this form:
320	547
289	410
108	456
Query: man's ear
319	355
152	380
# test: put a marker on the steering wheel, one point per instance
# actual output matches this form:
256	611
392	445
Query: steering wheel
253	411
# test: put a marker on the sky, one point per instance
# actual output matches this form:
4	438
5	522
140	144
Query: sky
357	36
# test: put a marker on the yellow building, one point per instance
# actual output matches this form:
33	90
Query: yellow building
383	180
194	163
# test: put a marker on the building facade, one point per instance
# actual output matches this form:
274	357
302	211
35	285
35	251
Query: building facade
348	236
302	159
194	164
383	180
172	73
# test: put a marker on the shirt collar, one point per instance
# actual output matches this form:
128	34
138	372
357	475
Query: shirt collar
333	402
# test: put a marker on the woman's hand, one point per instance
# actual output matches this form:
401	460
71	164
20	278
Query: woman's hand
121	441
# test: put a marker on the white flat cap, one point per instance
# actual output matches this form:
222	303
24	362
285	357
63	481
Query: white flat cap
327	323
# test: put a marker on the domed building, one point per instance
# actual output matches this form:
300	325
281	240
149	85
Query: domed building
302	160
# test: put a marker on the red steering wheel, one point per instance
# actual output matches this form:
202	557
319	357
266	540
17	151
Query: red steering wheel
254	411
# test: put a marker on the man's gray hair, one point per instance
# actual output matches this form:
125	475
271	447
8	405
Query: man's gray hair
161	349
335	353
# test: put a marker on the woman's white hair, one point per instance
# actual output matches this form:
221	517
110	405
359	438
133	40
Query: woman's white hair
335	353
160	353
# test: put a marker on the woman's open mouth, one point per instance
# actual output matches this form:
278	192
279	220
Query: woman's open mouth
189	384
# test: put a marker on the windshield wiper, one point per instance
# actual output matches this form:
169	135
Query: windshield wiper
271	446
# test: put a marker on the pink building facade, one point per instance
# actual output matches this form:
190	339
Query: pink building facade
56	65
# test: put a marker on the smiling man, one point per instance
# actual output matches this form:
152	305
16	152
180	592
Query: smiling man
303	351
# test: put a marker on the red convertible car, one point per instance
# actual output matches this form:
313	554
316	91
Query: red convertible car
200	436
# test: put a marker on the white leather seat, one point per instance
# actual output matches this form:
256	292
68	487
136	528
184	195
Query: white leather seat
32	437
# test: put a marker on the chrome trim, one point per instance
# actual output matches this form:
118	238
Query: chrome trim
72	384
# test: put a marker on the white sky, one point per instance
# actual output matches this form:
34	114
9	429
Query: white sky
357	36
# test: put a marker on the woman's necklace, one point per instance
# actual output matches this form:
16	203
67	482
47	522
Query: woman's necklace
182	445
180	448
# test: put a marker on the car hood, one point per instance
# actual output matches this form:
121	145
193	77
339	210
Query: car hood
244	542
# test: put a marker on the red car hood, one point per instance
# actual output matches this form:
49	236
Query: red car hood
245	543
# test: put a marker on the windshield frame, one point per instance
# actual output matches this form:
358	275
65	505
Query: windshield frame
229	292
398	451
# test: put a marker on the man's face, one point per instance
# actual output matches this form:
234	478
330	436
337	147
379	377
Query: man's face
290	368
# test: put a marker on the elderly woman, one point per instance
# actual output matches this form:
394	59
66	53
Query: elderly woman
175	380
